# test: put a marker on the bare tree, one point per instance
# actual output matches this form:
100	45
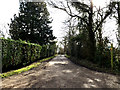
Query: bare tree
85	14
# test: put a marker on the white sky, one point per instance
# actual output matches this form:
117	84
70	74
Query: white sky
10	7
7	9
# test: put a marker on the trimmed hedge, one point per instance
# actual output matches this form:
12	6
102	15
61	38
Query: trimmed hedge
16	53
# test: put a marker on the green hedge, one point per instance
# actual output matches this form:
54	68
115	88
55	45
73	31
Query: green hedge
48	50
17	52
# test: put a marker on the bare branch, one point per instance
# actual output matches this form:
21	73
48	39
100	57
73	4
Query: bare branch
68	12
108	12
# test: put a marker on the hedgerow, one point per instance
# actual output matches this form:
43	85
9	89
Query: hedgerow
17	53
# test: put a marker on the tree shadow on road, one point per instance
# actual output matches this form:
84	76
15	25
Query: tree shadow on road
65	74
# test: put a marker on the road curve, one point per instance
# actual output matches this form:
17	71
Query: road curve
60	72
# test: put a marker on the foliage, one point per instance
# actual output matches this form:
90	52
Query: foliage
32	23
20	53
50	49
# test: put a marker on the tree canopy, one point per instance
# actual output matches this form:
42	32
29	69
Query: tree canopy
32	23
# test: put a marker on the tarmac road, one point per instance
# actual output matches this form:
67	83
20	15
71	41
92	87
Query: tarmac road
60	72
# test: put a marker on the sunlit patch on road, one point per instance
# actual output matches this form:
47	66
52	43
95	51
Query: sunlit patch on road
90	80
98	80
67	71
58	62
89	86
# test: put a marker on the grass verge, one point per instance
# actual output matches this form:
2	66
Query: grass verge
92	66
33	65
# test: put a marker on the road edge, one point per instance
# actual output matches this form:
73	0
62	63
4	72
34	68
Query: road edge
27	68
91	66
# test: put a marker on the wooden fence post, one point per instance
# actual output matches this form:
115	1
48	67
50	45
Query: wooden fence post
112	56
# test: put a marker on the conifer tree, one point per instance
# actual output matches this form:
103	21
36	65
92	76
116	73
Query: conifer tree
32	23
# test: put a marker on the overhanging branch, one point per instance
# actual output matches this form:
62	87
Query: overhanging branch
68	12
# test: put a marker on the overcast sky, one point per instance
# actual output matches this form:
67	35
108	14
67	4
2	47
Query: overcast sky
10	7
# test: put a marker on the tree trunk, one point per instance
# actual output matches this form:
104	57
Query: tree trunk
92	44
118	11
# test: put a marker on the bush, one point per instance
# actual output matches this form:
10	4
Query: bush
44	51
17	53
103	58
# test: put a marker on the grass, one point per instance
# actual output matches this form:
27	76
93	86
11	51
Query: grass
67	56
92	66
33	65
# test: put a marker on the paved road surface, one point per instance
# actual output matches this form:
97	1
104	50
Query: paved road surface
61	73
